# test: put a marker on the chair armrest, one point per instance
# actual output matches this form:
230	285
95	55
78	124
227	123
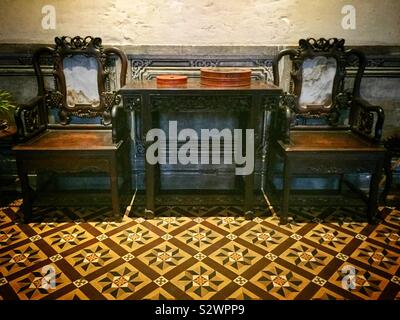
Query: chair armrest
285	116
119	123
31	118
362	119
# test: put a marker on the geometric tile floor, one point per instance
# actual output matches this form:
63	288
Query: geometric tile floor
199	253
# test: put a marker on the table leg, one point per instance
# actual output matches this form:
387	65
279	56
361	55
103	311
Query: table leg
373	192
26	191
114	187
249	179
249	196
388	174
286	190
127	167
149	168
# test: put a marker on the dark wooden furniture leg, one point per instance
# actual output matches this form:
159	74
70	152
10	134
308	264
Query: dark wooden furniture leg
249	197
150	175
373	193
127	167
285	190
388	174
149	168
26	191
249	179
114	187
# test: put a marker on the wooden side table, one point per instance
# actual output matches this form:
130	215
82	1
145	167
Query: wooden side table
248	102
392	144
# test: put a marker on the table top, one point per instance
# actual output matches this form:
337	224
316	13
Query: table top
195	85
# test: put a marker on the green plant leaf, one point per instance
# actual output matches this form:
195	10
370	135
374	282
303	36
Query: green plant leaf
6	104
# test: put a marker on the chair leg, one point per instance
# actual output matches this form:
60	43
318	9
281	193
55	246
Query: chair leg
286	191
270	163
373	193
389	177
249	197
150	191
26	191
127	168
114	187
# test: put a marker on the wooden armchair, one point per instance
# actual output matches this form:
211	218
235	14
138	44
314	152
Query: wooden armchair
82	90
320	129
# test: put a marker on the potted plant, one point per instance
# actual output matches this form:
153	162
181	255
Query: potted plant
6	109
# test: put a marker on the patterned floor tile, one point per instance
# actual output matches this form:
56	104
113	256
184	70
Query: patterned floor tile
20	258
243	294
164	257
159	294
170	223
235	257
199	237
76	294
41	227
377	257
39	283
329	237
11	235
264	237
198	253
292	225
280	281
393	217
120	282
132	238
325	294
307	257
362	283
347	219
92	258
68	238
229	224
386	235
4	218
200	281
106	224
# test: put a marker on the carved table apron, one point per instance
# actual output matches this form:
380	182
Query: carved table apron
249	103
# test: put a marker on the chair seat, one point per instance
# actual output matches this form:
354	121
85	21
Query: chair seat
53	140
303	141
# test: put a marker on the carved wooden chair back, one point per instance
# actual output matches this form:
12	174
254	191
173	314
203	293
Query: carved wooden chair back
317	78
82	83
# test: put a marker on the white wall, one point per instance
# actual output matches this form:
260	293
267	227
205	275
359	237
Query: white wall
201	22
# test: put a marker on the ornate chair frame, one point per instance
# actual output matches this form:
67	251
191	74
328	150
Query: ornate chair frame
67	147
333	148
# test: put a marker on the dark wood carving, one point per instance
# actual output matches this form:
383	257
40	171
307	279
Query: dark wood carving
195	103
333	147
74	148
90	47
309	49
